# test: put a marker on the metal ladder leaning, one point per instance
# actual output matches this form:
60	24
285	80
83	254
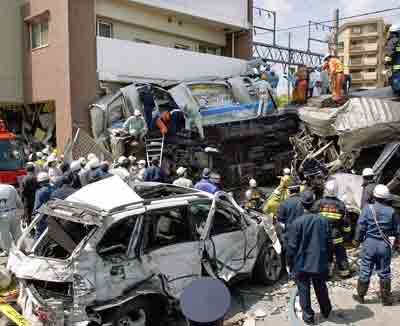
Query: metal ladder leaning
154	148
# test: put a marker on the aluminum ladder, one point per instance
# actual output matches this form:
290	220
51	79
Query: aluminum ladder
154	149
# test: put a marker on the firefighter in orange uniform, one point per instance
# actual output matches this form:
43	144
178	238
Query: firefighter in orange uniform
336	74
300	89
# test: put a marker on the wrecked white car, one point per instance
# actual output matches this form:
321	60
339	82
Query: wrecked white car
124	259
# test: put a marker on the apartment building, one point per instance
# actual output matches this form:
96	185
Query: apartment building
63	50
361	46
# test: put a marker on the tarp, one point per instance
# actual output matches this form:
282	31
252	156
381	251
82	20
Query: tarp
106	194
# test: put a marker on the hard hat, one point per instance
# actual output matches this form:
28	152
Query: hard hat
382	192
94	163
51	159
137	113
91	156
75	166
206	173
286	171
39	155
394	28
132	158
181	170
42	177
368	172
198	306
46	151
123	159
331	188
83	161
307	198
326	57
142	162
253	183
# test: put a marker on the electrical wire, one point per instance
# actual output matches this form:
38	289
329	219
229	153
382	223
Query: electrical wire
340	19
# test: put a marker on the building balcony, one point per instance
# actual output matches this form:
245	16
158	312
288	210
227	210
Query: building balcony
357	36
363	76
370	47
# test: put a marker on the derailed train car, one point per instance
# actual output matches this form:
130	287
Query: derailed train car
213	123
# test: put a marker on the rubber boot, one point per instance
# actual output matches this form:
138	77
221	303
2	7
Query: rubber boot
362	289
386	292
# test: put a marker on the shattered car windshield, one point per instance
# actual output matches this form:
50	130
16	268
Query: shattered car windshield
60	239
159	191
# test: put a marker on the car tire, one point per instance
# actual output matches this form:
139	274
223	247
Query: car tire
269	266
142	311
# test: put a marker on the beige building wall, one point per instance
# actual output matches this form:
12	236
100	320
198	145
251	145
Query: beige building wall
11	81
361	49
134	19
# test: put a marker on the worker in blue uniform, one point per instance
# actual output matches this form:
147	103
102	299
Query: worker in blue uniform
309	253
206	184
334	210
368	186
205	302
377	222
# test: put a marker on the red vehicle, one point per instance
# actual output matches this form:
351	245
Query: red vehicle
11	157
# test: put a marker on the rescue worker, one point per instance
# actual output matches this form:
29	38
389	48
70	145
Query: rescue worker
66	189
154	173
84	172
205	302
334	210
205	184
263	91
9	203
285	180
300	88
42	197
29	187
368	185
392	57
95	172
292	208
376	224
183	180
122	169
272	203
309	253
215	179
254	197
141	170
336	74
40	162
53	171
136	125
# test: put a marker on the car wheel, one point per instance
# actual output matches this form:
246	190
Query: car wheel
269	265
140	312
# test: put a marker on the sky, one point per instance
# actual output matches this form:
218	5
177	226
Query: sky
299	12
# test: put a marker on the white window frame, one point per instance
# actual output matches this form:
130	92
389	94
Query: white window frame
41	43
102	22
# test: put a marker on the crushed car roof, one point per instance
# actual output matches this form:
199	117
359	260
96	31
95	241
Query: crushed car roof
107	194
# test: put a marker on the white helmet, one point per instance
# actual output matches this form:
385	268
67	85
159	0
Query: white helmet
394	28
137	113
76	166
91	156
122	160
39	155
94	163
368	172
252	183
142	162
42	177
132	159
181	170
382	192
331	188
286	171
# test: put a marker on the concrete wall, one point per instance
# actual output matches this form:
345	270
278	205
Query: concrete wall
230	12
186	27
11	82
64	71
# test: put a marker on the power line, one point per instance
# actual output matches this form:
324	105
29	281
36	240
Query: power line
344	18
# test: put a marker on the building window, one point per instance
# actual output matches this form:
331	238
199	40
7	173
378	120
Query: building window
356	30
182	47
104	29
39	34
210	49
372	28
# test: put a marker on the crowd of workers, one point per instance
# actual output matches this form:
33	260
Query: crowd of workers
314	231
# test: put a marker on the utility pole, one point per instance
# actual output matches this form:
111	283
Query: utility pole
289	61
336	19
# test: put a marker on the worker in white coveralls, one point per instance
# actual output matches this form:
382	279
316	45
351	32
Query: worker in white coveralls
263	91
9	203
136	126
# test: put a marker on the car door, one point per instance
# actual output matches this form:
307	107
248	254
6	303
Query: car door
170	245
230	240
